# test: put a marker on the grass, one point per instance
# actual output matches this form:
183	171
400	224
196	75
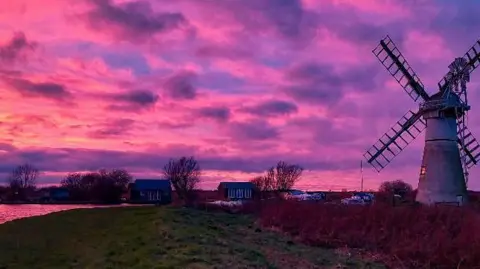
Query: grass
156	237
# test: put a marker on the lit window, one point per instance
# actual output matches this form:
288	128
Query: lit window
423	170
248	193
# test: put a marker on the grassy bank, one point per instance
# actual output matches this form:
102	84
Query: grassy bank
155	237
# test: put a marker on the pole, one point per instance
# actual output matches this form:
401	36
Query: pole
361	173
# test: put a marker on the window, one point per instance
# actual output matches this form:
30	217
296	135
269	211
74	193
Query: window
156	195
239	193
248	193
231	193
423	170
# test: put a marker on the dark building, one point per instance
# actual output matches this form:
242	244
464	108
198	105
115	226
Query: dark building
59	194
151	191
237	190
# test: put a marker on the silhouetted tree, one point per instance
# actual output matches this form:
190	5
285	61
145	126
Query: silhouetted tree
284	175
22	179
281	177
184	174
102	186
398	187
74	184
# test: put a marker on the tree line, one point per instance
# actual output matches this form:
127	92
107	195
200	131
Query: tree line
108	186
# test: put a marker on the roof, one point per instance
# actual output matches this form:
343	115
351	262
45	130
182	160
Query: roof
237	185
151	184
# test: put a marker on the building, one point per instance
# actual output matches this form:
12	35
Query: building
59	194
237	190
151	191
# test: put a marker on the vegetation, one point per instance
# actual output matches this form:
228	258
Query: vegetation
404	236
153	237
397	187
281	177
102	186
21	181
184	174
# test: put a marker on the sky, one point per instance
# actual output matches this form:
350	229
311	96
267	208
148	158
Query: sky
239	84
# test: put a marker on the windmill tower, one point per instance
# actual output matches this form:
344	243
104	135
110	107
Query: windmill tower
450	149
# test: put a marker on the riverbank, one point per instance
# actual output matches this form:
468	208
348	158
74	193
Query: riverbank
155	237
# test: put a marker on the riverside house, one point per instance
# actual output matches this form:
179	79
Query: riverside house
237	190
151	191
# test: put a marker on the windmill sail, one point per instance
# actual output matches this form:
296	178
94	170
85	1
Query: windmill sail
473	61
470	148
392	59
395	140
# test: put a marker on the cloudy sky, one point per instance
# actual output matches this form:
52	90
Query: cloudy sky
240	84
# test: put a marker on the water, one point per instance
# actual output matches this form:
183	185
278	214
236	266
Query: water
11	212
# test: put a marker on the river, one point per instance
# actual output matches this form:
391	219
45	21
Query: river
11	212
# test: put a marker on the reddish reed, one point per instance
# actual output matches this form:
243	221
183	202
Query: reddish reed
409	236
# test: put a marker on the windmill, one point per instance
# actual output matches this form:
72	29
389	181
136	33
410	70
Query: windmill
450	149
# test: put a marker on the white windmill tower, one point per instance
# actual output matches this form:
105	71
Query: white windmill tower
450	149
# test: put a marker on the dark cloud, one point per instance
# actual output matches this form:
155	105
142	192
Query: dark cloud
115	128
221	114
180	86
16	48
134	21
316	83
47	90
228	52
324	132
271	108
221	81
287	19
343	21
253	130
457	23
68	160
135	100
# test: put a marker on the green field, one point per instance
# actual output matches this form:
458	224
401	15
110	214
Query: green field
155	237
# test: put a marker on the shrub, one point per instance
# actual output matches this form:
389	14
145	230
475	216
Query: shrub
409	237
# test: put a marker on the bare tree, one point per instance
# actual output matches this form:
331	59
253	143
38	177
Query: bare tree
24	176
184	173
281	177
265	183
259	182
22	179
284	175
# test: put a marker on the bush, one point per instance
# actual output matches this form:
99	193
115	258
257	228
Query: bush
408	237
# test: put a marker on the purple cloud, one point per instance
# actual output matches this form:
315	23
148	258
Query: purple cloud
180	86
16	48
47	90
271	108
134	21
119	127
135	100
255	130
221	114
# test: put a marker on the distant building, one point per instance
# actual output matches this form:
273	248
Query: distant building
59	194
151	191
237	190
